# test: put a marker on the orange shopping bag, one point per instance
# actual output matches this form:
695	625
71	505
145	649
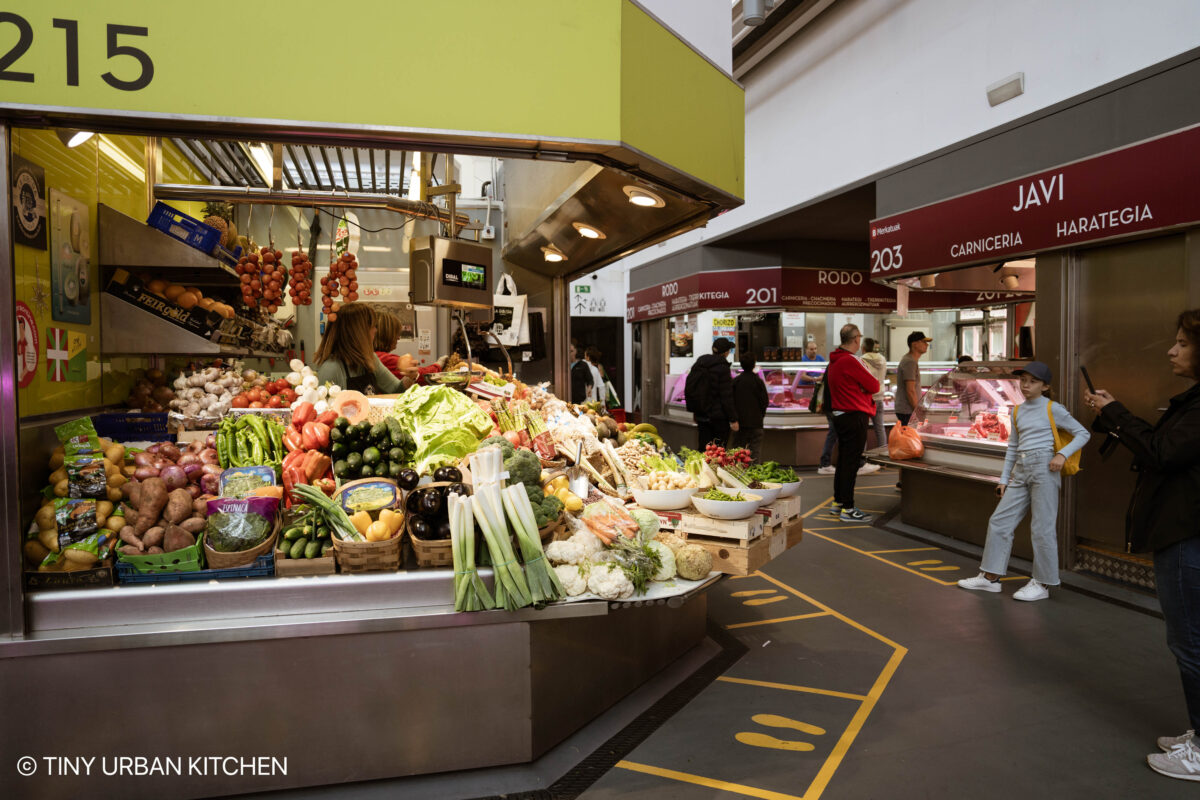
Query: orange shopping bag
904	442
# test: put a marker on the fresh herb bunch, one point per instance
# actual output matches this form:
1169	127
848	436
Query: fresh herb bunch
638	561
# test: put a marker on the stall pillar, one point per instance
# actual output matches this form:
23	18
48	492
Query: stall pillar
12	620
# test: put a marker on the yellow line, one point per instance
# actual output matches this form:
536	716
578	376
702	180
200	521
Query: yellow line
763	601
839	527
919	563
749	592
906	550
790	688
740	577
814	510
842	617
938	569
877	558
780	619
725	786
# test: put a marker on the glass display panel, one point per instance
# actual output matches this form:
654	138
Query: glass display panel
973	403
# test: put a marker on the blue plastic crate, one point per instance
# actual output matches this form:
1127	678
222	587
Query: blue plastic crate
186	229
263	567
132	426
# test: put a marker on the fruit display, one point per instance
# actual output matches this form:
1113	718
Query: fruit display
263	278
342	281
300	286
363	450
220	216
186	297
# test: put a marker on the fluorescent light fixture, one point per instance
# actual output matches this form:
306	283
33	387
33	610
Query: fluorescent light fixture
260	154
375	249
643	197
587	231
414	178
121	160
553	254
1006	89
73	138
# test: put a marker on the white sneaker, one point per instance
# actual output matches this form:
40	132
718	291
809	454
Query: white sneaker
1183	762
826	470
1031	591
979	584
1165	743
867	469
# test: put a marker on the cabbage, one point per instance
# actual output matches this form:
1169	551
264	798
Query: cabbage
445	424
446	448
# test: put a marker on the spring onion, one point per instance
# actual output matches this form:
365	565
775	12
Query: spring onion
544	586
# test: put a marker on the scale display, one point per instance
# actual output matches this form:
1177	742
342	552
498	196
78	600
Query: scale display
461	274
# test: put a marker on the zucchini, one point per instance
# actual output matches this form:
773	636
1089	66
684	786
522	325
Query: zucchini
298	547
310	551
395	432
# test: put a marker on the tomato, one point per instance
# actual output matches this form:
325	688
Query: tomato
240	401
261	395
257	404
274	401
288	395
281	385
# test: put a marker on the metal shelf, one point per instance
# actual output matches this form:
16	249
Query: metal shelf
127	242
139	332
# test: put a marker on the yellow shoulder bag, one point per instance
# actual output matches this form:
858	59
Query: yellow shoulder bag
1061	439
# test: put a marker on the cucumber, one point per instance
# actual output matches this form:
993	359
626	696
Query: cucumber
283	549
326	549
395	432
313	547
379	433
298	547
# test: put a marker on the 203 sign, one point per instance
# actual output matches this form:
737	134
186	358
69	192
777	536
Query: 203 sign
70	28
888	258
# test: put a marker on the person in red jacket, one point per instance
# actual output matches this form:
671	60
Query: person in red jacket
851	386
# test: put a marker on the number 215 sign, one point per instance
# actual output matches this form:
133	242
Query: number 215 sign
117	48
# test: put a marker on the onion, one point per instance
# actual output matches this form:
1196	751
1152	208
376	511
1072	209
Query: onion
209	456
210	484
169	451
195	446
143	459
174	477
161	463
154	448
188	458
194	490
211	469
162	394
142	473
211	441
192	469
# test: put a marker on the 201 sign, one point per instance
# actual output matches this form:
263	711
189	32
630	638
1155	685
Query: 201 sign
70	28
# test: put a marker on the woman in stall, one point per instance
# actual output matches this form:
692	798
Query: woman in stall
347	357
387	333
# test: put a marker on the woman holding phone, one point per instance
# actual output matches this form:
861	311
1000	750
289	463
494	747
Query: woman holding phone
1164	517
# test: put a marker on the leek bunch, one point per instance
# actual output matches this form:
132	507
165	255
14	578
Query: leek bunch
512	590
544	586
470	592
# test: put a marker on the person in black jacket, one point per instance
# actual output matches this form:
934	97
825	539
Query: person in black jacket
581	377
750	399
1164	517
717	415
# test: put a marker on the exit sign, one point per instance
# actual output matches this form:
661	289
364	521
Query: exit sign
583	288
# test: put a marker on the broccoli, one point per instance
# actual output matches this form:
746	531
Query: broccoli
524	467
505	445
536	495
547	511
553	506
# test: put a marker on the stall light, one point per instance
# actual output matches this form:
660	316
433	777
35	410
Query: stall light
260	154
375	249
121	160
73	138
643	197
587	231
553	254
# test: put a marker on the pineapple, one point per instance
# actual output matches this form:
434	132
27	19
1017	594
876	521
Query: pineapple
220	216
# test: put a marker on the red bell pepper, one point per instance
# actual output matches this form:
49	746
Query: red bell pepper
294	458
316	465
292	440
315	436
328	418
303	414
326	485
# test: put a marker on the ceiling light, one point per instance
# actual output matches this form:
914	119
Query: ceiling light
1004	90
587	231
73	138
121	160
643	197
553	254
376	249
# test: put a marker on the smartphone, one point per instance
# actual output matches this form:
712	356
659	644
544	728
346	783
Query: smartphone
1087	379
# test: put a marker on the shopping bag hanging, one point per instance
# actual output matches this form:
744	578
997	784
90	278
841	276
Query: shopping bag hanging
904	443
510	311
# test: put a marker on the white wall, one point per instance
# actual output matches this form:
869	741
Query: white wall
875	83
707	25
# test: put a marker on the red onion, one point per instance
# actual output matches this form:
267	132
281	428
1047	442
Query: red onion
210	484
142	473
174	477
188	458
143	460
211	469
169	451
211	441
161	463
209	457
154	448
191	469
195	446
194	490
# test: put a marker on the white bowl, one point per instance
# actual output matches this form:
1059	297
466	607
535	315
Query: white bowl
727	509
769	493
663	499
790	489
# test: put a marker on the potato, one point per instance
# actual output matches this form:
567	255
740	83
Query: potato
104	510
193	525
35	552
59	474
62	488
110	469
82	557
57	459
114	495
57	566
104	443
115	524
128	471
153	537
45	517
117	481
49	539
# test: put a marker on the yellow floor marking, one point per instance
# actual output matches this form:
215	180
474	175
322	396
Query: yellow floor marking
877	558
766	740
741	577
762	601
698	780
937	569
839	527
1015	578
906	550
750	592
780	619
812	511
776	721
789	688
919	563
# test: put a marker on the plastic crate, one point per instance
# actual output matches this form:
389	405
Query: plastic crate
263	567
186	229
132	426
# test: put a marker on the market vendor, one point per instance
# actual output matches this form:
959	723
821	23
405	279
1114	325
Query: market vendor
347	357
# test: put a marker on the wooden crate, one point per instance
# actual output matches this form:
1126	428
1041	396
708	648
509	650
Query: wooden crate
742	530
789	507
289	567
794	531
742	558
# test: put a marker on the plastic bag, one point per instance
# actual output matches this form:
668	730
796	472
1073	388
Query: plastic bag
83	459
236	525
904	443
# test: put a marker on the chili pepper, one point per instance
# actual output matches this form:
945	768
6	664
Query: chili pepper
276	431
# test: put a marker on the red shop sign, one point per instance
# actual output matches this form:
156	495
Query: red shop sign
702	291
928	301
1143	187
836	290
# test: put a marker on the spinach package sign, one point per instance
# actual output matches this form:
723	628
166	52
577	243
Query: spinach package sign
83	459
234	525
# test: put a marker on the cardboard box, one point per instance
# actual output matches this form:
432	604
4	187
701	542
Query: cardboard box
101	575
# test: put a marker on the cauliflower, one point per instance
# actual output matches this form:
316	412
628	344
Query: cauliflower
573	579
693	562
609	582
566	551
667	570
588	542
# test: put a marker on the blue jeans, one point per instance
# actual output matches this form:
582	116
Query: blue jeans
1177	573
880	433
1031	484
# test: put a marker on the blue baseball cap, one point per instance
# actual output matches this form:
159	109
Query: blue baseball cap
1035	369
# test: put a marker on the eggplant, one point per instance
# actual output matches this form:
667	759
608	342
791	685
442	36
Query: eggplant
447	475
412	503
431	503
408	479
458	488
420	528
443	530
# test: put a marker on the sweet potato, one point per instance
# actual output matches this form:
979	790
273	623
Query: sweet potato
179	506
135	494
150	502
153	551
177	538
132	539
200	507
130	550
193	525
153	537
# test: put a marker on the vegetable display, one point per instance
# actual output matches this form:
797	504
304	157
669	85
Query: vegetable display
444	424
382	450
250	440
306	535
209	393
717	494
342	279
771	471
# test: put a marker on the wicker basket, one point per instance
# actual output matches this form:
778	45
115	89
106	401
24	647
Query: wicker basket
431	552
218	560
385	556
553	531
